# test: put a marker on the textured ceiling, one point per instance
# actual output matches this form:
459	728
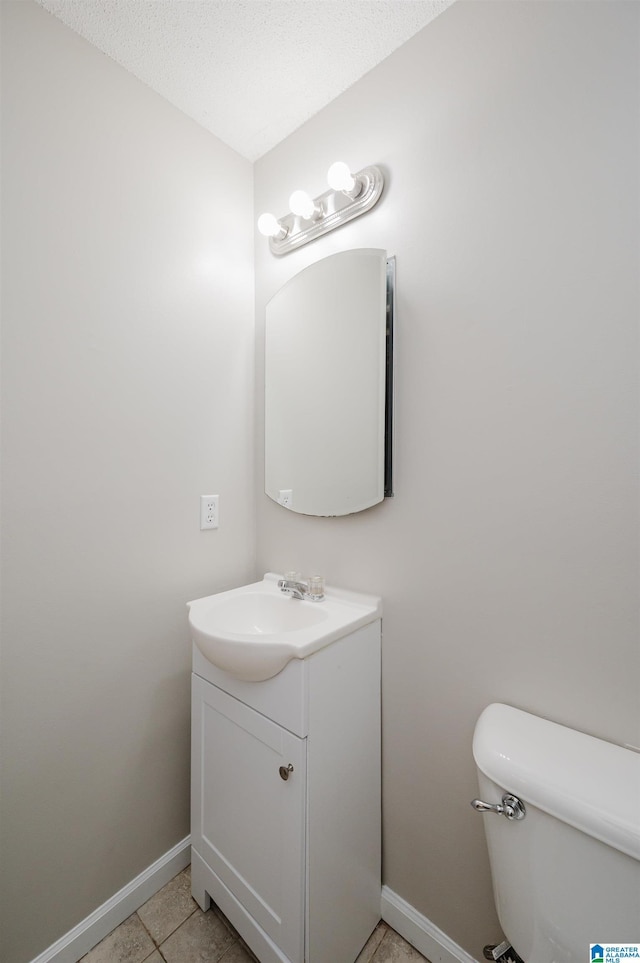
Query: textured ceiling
250	71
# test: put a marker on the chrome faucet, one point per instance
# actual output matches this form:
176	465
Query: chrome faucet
310	590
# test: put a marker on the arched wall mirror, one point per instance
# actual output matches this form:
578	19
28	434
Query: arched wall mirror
328	385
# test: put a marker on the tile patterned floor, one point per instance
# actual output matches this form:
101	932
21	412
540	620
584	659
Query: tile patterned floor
171	928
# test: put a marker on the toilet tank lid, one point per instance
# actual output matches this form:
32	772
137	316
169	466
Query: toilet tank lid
586	782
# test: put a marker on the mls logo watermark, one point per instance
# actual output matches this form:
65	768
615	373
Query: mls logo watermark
614	952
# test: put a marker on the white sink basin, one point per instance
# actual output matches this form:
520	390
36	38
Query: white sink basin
254	631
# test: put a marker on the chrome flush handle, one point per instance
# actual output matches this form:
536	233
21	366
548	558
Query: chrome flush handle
511	807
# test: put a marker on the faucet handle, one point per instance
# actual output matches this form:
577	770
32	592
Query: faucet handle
311	589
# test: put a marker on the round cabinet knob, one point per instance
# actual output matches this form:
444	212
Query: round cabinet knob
284	771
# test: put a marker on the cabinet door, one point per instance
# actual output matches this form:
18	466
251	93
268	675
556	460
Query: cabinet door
248	823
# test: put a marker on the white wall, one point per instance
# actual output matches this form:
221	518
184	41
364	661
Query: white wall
127	393
508	558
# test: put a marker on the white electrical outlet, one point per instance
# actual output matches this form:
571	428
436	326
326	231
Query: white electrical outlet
285	497
208	511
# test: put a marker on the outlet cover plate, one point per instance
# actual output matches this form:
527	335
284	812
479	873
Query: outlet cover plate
208	511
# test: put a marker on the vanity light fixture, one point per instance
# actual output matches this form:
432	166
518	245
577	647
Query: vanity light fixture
349	195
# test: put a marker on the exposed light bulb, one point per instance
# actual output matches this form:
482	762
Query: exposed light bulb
301	204
270	226
340	178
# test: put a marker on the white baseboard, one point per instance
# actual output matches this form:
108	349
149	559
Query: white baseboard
420	932
83	937
427	938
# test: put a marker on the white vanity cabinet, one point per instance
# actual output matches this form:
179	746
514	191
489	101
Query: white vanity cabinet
286	801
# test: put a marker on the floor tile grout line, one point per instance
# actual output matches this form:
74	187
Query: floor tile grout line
141	921
384	936
156	944
175	930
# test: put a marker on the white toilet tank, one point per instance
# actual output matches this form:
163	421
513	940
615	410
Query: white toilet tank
567	874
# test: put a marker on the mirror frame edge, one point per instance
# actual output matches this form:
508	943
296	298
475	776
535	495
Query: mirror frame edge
389	382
